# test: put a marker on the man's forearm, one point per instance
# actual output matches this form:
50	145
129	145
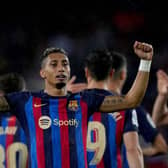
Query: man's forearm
132	99
135	95
135	158
149	151
138	89
159	108
133	149
159	146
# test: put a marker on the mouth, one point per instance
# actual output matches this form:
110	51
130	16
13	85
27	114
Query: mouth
61	77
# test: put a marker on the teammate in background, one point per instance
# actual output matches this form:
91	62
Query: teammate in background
160	109
13	148
107	131
55	122
146	126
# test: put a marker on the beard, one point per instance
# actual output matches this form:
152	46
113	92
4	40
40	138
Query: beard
60	85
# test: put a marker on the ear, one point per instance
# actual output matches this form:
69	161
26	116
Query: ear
86	72
111	72
42	74
123	75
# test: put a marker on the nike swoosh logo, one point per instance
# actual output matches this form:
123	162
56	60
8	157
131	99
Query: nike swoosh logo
40	105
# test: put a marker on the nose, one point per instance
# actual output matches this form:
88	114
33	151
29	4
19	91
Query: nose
61	68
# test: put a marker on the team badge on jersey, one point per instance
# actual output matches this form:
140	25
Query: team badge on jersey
73	105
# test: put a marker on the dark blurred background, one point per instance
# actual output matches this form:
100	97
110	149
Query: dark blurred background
27	29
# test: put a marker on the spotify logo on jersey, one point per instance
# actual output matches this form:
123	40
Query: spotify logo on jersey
44	122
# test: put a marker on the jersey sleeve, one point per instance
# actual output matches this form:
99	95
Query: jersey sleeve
93	100
16	102
147	127
131	121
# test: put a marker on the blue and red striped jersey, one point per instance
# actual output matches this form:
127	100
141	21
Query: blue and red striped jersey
13	148
55	127
105	133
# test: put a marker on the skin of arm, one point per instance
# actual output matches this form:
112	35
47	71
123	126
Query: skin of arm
159	146
133	150
132	99
3	104
160	110
135	95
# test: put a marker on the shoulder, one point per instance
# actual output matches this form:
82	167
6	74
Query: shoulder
98	92
18	94
16	97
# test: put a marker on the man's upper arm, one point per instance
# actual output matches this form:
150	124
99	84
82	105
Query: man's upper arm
114	103
4	106
131	139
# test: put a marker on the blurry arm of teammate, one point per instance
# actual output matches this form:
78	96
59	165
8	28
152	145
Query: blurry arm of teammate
75	87
160	110
159	146
3	104
133	150
135	95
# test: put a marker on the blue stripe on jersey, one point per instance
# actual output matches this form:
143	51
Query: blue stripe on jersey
90	154
4	124
55	131
79	137
46	135
112	140
110	153
32	132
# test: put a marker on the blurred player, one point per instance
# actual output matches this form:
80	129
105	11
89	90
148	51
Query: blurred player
13	149
146	126
55	122
107	131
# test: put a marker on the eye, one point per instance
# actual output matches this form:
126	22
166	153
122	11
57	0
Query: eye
53	64
65	63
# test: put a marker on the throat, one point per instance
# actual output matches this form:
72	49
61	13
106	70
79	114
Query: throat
56	90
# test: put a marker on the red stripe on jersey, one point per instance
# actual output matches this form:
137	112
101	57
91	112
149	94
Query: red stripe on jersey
64	134
97	117
84	109
10	137
119	133
39	133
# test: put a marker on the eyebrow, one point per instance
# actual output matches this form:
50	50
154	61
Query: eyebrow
64	60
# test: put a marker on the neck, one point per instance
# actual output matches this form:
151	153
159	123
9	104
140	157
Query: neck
114	86
53	91
97	84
